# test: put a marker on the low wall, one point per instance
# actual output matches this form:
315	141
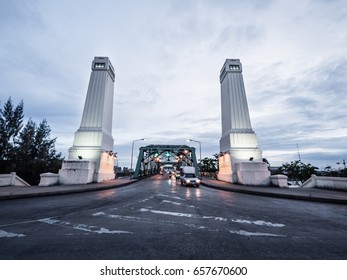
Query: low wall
324	182
12	179
48	179
279	181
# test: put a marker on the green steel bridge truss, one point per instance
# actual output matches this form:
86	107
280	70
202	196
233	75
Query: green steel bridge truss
152	157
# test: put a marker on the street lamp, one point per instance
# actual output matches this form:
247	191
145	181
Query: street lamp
192	140
132	153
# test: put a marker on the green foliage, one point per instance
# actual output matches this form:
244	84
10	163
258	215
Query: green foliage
298	171
343	172
27	150
209	165
332	172
11	119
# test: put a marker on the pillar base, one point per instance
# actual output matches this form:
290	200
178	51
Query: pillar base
76	172
226	178
252	173
243	172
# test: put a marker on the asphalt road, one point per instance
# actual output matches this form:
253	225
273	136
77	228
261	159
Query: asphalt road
157	218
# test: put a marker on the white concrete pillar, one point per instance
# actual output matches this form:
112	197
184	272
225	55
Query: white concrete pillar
93	140
238	142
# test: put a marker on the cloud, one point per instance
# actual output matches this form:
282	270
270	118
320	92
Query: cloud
167	57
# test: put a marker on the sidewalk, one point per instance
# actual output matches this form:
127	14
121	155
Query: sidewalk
13	192
312	194
309	194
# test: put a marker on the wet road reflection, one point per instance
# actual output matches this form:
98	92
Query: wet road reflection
106	194
148	219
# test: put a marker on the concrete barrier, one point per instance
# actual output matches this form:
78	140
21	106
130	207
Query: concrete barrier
76	172
48	179
279	181
252	173
12	179
324	182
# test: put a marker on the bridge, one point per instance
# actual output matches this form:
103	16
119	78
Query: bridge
152	157
94	143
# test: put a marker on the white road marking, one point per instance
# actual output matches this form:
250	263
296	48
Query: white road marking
177	214
263	223
51	221
216	218
99	214
99	231
198	227
258	222
82	227
172	202
131	218
175	197
146	199
247	233
9	234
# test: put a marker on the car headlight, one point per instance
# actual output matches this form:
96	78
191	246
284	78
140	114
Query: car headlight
188	181
198	181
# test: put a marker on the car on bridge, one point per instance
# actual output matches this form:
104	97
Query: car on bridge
188	176
190	180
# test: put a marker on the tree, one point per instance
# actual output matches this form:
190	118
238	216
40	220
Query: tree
209	165
298	171
27	150
333	172
11	119
35	152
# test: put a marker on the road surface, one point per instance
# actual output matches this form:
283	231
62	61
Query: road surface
157	218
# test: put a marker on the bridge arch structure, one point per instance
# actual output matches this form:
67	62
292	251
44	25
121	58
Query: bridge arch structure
152	157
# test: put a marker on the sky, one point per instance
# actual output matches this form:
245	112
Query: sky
167	57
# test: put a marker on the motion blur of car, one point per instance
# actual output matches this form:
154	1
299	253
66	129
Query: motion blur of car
177	175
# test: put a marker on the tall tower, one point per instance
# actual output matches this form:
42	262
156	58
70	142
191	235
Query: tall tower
95	132
93	142
238	143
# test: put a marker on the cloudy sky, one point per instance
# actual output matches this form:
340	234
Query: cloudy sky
167	57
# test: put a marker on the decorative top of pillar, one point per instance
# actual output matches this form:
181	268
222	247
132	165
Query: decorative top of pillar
103	64
230	66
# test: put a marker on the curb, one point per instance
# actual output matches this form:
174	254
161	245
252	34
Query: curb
67	191
279	195
237	190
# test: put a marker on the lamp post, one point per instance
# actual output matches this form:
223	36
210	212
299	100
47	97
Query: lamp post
132	153
192	140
